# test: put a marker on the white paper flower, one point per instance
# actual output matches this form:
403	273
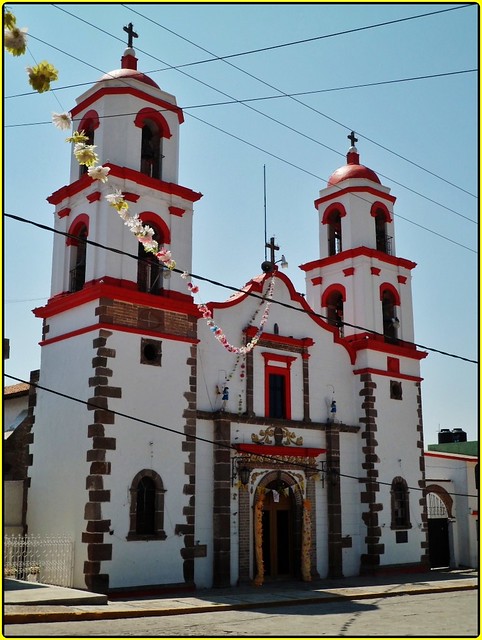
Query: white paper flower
85	154
99	173
62	120
15	40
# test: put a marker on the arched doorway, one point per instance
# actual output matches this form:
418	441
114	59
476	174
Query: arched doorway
279	537
438	531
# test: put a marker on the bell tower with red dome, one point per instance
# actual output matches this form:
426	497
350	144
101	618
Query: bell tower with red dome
358	283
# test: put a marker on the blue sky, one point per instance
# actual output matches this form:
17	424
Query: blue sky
420	136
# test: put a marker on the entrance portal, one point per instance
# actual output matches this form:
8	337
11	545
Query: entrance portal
278	536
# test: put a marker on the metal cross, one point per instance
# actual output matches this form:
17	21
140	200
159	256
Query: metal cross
272	248
131	33
352	138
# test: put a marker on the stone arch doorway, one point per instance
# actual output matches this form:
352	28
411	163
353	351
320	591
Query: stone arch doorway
439	510
279	536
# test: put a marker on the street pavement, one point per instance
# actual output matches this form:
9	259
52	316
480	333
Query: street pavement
26	602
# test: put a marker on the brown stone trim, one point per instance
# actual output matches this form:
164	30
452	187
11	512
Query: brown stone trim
335	556
98	548
186	529
28	424
263	421
374	549
424	558
159	533
306	389
222	504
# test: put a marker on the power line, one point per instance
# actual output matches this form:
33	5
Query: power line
318	142
310	313
292	96
91	404
224	59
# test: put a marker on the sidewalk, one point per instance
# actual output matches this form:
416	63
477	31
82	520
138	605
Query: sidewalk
26	602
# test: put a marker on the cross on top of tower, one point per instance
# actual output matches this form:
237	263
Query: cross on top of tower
272	248
131	34
352	138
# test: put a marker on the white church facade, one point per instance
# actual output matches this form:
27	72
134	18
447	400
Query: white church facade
188	464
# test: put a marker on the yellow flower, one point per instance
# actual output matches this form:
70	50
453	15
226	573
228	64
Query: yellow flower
77	137
42	75
9	20
85	154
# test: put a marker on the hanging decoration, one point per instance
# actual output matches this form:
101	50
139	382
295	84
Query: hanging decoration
86	155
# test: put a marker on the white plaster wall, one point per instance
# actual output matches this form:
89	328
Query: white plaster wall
80	317
203	567
154	394
12	407
12	507
351	508
57	495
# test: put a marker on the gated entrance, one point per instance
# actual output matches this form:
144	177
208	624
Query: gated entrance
438	532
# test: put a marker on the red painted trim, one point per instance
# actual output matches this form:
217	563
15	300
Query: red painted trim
255	286
124	173
356	253
152	114
177	211
75	227
389	374
333	288
450	456
94	196
279	371
63	213
126	90
90	121
386	286
475	513
153	183
131	197
273	450
375	271
393	364
70	190
316	281
284	340
172	301
278	357
332	208
151	218
349	271
402	279
342	192
379	206
116	327
361	341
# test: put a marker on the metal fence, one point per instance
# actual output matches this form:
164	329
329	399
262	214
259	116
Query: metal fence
47	559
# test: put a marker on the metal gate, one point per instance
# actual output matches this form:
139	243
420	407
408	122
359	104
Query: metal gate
438	532
46	559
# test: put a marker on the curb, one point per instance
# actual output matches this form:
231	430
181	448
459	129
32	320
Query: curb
76	616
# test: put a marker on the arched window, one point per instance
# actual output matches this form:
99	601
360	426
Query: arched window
334	232
147	506
400	504
390	320
88	125
151	152
149	270
384	242
78	256
334	310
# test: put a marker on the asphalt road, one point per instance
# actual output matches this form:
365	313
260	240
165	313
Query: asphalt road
437	614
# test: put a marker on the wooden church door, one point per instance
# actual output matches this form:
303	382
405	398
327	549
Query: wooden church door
278	536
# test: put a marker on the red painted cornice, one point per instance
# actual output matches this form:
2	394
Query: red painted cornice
361	341
284	340
125	174
342	192
356	253
103	91
171	301
273	450
389	374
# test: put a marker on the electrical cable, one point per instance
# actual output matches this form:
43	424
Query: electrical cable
91	404
310	313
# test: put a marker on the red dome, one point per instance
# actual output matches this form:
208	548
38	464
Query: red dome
352	170
129	73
